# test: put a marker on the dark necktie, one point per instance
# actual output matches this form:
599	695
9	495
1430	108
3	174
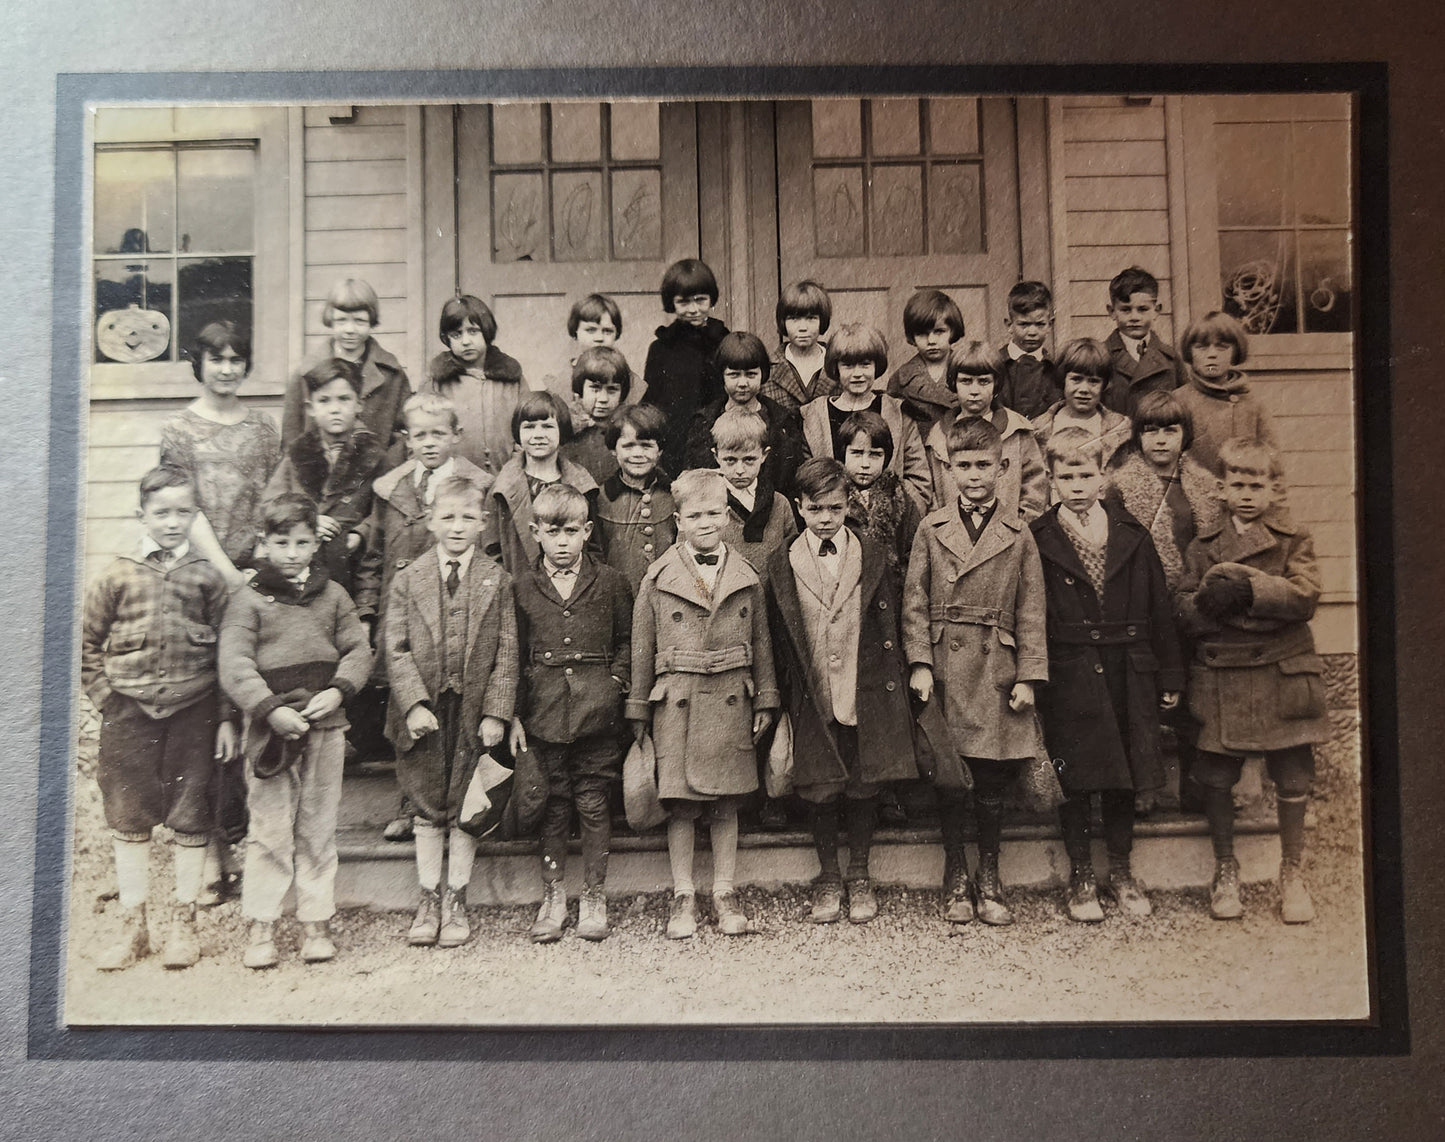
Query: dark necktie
827	547
706	560
454	578
421	487
161	556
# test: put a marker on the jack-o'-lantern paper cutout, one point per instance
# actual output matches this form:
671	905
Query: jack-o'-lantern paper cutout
133	334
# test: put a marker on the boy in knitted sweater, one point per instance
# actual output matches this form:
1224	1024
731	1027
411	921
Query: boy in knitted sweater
292	650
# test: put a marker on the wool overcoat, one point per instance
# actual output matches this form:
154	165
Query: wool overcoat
1110	657
785	440
924	399
1115	433
1256	682
700	669
513	546
786	386
975	614
384	389
1224	410
885	724
910	461
1158	370
681	376
1023	486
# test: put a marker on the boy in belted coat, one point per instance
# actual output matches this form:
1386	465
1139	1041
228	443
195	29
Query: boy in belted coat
703	682
834	605
574	635
451	657
973	625
1249	589
1114	661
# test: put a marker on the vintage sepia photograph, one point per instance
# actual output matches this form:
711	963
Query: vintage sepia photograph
795	559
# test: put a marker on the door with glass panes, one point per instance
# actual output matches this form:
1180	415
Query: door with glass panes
558	200
880	197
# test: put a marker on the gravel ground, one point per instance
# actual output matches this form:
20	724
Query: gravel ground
905	966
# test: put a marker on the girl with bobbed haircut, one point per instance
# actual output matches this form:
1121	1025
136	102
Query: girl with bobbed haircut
482	381
803	299
681	374
351	295
1218	396
741	350
593	307
214	339
461	310
1086	356
975	359
797	375
852	345
1216	328
687	278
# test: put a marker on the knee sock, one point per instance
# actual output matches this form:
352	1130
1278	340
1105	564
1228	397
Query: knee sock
825	840
212	871
592	812
1292	827
1074	824
430	840
1118	810
952	817
990	825
679	854
132	871
556	824
461	854
190	861
724	833
1219	812
861	816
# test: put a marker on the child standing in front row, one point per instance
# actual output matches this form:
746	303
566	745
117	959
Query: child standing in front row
703	683
574	634
292	652
834	604
932	322
483	382
1114	662
634	506
1249	590
601	381
804	312
451	657
160	737
973	626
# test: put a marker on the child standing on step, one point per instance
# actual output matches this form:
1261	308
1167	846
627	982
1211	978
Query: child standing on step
703	683
1249	590
574	634
160	738
451	658
1113	664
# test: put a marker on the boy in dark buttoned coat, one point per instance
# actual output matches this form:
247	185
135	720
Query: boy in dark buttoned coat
973	625
451	650
833	603
1249	589
1140	360
703	682
1114	661
574	635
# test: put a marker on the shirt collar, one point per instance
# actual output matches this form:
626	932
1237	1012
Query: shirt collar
438	474
465	559
976	509
1017	354
692	552
147	545
746	496
840	541
1135	345
555	572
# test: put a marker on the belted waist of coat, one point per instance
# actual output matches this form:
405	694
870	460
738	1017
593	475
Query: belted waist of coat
675	660
1259	650
1099	634
570	657
979	616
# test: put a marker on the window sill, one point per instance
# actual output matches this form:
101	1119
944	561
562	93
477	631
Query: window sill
160	380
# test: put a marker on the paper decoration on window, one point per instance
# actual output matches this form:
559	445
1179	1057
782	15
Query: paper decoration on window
132	335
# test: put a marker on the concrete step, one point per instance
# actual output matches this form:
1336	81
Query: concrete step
1171	851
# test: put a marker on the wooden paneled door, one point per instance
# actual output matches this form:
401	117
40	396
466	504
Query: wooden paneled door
554	201
881	197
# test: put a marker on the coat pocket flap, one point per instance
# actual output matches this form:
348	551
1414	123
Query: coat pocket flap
128	641
1006	638
1302	664
749	688
659	691
202	636
935	632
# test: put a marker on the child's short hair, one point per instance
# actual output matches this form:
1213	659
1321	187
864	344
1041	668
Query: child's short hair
430	404
648	422
460	488
1025	297
742	350
1216	328
281	513
602	365
1073	446
1250	457
974	434
332	369
819	475
1161	410
593	307
687	278
559	503
351	295
804	299
738	429
697	483
460	310
927	308
539	405
217	337
1134	280
1086	356
973	359
868	423
852	345
166	476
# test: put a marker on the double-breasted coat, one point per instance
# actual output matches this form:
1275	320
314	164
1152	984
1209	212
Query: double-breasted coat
1158	370
885	723
700	669
415	663
910	461
974	613
576	652
1256	682
1110	657
1023	487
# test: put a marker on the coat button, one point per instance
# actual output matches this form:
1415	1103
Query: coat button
743	613
1069	580
566	614
677	616
567	641
887	644
953	646
985	648
682	703
1098	668
546	654
1093	634
647	530
647	549
882	604
647	497
400	563
732	699
645	513
579	656
567	671
1130	631
890	686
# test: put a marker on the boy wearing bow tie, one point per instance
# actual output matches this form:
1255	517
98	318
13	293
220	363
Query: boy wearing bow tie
1030	383
973	626
574	635
833	601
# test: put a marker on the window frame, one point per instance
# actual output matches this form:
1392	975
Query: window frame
266	128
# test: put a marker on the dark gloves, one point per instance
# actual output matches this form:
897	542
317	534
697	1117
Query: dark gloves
1222	597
